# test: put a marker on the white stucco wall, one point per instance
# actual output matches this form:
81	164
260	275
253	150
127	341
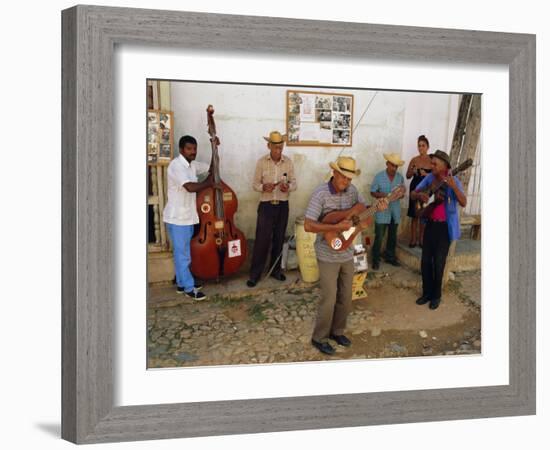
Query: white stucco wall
245	113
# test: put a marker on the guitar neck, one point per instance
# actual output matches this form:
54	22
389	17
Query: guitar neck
371	210
453	172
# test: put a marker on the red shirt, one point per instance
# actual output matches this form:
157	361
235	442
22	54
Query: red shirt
439	213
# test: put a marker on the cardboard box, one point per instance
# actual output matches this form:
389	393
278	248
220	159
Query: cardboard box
357	290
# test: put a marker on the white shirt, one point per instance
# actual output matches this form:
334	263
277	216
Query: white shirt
181	208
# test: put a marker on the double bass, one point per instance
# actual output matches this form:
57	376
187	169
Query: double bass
219	248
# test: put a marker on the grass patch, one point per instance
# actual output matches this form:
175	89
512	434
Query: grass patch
222	300
455	287
256	311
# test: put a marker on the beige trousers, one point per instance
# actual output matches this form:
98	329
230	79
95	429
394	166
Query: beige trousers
336	281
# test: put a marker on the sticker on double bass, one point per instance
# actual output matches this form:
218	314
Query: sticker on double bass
234	248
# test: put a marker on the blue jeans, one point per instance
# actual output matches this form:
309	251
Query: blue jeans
181	235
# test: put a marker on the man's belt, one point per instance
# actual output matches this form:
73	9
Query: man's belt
275	202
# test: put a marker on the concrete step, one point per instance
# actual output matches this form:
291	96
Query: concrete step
467	255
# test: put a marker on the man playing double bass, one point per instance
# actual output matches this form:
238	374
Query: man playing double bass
180	212
442	225
335	267
274	178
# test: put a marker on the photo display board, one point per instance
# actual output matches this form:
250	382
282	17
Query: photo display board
160	136
319	118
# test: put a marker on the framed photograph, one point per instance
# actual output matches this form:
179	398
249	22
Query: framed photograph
122	336
320	118
160	136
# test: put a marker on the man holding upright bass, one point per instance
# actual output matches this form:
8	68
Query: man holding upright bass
335	260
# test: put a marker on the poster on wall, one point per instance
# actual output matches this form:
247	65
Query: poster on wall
160	137
319	118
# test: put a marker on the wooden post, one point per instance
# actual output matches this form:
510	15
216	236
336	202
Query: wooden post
465	142
460	128
471	137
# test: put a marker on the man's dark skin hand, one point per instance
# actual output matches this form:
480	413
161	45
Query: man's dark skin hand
189	152
439	168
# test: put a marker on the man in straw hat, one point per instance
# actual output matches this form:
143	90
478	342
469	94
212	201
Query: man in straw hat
389	219
274	179
335	267
443	226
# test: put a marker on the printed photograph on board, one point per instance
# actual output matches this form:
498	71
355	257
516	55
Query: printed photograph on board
318	224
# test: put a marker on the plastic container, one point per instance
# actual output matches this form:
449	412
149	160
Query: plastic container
305	250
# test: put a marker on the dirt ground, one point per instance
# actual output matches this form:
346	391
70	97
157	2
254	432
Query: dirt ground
273	323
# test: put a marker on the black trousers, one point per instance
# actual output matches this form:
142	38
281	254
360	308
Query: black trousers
434	256
270	229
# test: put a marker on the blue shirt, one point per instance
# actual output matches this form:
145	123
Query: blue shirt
382	183
451	208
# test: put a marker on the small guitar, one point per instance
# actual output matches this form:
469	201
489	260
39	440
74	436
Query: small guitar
341	240
425	209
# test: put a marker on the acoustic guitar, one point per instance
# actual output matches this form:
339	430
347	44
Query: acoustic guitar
425	209
341	240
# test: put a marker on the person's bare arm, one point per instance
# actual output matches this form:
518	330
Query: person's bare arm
378	194
312	226
420	196
196	187
411	169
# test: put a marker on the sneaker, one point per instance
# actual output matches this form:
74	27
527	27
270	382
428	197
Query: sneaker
197	287
195	294
251	283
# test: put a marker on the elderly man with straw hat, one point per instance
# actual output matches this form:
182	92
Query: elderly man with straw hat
274	179
335	267
381	186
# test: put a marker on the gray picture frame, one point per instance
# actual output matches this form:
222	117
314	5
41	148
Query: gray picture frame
90	34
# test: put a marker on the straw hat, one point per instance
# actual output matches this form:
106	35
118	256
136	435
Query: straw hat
394	158
346	165
275	138
439	154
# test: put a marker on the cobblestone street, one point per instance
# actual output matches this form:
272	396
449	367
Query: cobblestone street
274	325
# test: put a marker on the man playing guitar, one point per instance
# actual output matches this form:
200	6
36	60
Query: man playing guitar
335	265
442	225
